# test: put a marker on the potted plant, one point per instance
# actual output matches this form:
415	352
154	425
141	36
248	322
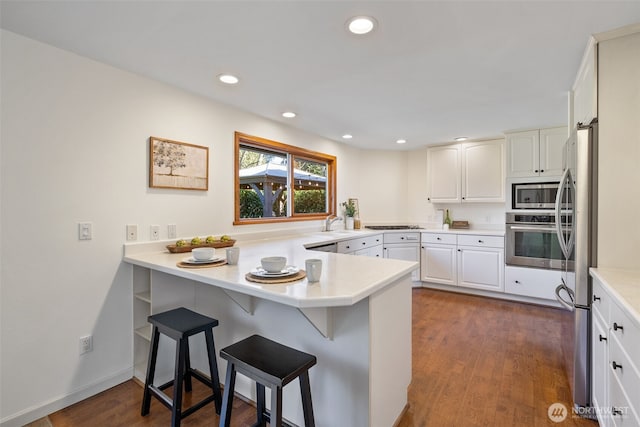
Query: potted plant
349	213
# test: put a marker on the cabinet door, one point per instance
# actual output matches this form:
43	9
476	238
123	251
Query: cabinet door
405	252
600	369
481	268
483	171
443	174
523	150
551	150
438	264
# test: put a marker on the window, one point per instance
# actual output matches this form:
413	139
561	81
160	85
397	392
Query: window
278	182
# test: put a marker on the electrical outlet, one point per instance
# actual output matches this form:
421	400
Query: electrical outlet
171	231
85	231
155	232
86	344
132	232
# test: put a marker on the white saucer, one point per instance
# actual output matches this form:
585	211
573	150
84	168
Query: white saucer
287	271
192	260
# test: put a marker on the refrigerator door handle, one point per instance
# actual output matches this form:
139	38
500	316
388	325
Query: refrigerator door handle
566	304
559	195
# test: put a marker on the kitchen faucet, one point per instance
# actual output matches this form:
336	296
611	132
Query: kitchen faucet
328	221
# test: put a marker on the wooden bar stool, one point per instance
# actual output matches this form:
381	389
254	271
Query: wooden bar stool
272	365
180	324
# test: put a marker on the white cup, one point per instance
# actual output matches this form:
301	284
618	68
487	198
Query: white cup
232	255
314	269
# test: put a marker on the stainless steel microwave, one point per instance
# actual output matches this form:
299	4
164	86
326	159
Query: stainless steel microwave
534	195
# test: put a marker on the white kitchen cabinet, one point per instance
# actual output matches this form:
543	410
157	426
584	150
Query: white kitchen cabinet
438	258
481	262
532	282
406	246
364	246
444	177
615	343
536	153
469	172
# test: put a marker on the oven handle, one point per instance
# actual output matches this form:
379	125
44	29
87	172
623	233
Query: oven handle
531	228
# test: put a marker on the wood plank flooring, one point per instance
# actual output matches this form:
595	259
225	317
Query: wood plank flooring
476	362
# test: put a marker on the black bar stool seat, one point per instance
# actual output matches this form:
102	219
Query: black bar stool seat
179	324
272	365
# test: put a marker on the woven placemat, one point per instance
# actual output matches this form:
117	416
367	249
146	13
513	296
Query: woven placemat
274	280
207	265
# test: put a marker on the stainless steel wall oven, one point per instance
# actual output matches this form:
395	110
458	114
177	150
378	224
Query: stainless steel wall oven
534	195
531	241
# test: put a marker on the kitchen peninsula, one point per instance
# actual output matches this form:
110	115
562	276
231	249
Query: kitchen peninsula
356	320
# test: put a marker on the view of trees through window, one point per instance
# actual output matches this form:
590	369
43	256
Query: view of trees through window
269	174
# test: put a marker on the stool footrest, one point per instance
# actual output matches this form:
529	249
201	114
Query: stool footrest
267	417
163	398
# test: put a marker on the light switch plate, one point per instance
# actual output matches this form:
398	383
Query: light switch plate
171	231
85	231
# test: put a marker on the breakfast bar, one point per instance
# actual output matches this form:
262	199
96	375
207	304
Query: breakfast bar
356	320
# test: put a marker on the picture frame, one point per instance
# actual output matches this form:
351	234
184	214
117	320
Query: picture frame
178	165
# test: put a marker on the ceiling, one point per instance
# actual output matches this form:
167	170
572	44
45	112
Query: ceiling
430	72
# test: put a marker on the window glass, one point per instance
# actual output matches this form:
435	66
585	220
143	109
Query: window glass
279	182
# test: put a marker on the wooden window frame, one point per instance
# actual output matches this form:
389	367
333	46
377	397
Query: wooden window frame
292	152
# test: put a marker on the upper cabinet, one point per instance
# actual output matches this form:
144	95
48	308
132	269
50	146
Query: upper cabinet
536	153
585	88
469	172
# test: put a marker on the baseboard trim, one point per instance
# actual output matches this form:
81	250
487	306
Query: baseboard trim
36	412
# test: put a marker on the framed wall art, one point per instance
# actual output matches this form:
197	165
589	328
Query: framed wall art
179	165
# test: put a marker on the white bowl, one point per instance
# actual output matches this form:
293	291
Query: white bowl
203	254
273	264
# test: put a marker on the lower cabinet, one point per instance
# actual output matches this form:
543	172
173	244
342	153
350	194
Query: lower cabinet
615	345
467	260
406	246
438	258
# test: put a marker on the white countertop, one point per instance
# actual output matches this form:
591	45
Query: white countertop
346	279
625	285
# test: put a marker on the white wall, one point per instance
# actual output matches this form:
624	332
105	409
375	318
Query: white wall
74	142
619	152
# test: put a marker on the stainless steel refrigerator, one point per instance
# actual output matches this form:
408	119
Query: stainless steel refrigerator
579	188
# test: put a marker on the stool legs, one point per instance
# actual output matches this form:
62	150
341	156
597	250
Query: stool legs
227	400
151	371
260	406
307	406
213	370
176	407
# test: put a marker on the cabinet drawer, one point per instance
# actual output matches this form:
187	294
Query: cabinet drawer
601	302
624	371
627	333
480	240
625	414
532	282
360	243
444	238
402	237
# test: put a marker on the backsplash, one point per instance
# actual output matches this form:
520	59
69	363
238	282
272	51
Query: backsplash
486	216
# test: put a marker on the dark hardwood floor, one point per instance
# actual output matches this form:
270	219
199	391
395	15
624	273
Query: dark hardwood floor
476	362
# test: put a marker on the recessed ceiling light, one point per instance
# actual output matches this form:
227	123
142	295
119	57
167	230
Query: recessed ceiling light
461	138
228	79
401	141
289	114
347	136
361	24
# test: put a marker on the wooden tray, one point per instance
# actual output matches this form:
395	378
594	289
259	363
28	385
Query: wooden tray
460	224
187	248
274	280
211	264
